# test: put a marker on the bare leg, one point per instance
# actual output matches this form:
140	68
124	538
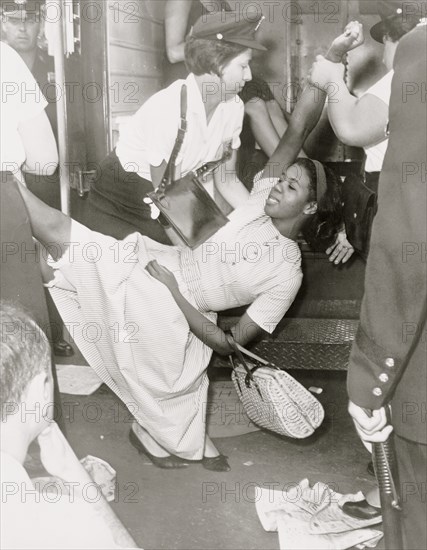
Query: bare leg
48	225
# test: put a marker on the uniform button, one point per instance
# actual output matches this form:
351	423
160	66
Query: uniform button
377	391
389	362
383	377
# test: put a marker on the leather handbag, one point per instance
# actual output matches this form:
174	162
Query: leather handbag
272	398
359	209
184	204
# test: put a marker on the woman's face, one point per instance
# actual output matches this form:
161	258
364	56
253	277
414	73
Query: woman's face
236	73
290	197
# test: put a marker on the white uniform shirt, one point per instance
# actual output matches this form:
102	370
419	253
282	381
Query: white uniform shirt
148	138
20	100
375	154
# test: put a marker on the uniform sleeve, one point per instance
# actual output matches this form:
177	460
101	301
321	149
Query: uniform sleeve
393	306
19	88
269	307
151	132
382	88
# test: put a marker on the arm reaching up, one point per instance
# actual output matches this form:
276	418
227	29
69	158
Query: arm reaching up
309	106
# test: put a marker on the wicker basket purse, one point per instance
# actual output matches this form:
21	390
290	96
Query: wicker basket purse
273	399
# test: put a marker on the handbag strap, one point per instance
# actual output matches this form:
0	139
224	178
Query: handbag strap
239	350
169	174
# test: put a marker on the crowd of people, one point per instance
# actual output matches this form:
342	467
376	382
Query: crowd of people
165	380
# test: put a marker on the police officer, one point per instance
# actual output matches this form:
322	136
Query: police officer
388	359
22	26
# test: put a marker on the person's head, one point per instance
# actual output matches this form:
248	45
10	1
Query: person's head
21	24
220	44
25	375
397	19
308	198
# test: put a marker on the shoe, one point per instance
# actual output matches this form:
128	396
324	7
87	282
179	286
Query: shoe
361	510
166	462
370	468
216	463
61	348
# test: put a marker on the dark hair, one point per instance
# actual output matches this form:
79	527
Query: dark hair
398	26
321	228
204	56
24	353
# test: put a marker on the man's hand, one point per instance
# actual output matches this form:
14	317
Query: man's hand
162	274
351	38
326	75
341	251
371	429
57	456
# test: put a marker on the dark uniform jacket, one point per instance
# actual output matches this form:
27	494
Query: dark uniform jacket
44	73
388	358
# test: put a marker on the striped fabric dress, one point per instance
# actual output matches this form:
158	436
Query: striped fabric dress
132	333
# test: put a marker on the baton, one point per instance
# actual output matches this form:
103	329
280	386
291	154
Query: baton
384	460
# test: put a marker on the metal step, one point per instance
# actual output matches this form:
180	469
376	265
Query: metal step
331	357
311	344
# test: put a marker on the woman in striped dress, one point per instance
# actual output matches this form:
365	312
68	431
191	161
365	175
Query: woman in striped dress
143	313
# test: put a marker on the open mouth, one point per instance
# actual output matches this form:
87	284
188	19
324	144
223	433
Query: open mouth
272	200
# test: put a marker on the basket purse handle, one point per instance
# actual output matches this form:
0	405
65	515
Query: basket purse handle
239	351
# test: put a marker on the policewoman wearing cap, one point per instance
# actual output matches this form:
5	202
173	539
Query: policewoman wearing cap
362	121
180	16
218	51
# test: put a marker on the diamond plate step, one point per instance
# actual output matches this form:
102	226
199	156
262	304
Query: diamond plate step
311	344
331	357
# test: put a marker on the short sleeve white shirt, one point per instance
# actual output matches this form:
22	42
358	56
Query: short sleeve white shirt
148	138
20	100
375	154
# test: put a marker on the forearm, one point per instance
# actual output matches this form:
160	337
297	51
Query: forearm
176	53
207	331
176	18
277	118
342	110
262	125
304	118
49	226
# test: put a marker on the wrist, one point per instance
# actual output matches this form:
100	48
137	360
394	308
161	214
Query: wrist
334	57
